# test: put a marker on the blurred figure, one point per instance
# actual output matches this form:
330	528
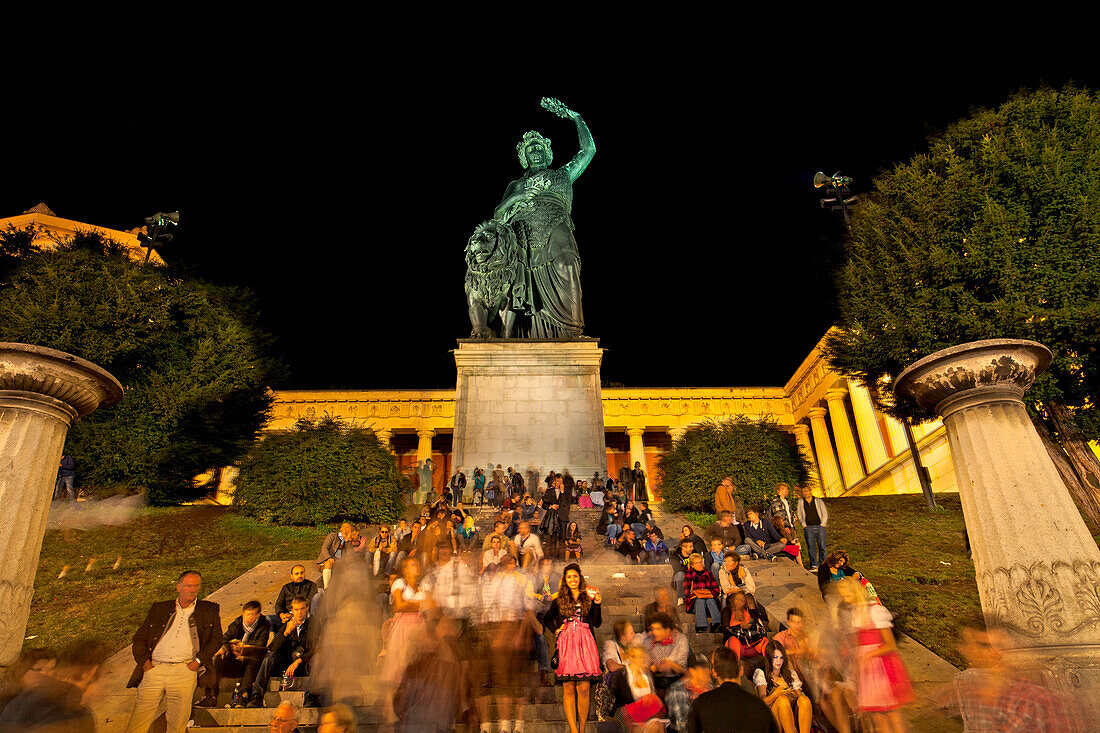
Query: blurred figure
56	702
504	644
435	685
615	649
337	719
347	636
668	651
662	603
332	548
574	615
66	479
992	696
683	692
883	685
634	693
779	686
409	596
32	666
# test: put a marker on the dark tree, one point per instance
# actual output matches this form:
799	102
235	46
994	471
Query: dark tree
194	367
757	455
992	233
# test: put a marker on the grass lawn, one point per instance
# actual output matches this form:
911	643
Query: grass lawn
108	604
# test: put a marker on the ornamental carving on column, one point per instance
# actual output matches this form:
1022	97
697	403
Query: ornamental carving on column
1044	598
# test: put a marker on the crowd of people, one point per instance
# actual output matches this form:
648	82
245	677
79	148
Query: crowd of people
457	626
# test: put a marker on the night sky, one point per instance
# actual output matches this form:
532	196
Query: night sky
706	258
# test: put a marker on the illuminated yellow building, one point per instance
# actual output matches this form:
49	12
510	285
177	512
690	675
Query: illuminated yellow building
50	229
855	449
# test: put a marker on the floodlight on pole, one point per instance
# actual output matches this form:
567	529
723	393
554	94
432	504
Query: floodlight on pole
154	238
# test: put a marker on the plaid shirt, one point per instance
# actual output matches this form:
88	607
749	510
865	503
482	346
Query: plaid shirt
1021	707
678	702
699	580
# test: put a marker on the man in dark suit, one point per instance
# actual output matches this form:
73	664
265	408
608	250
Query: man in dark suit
289	652
728	707
299	585
626	482
240	656
176	642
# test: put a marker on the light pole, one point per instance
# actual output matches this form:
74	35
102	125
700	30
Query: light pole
154	237
840	198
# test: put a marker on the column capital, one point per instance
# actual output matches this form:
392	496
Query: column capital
425	433
677	433
800	429
635	432
836	393
816	413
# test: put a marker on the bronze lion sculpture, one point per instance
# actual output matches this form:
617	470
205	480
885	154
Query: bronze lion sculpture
493	278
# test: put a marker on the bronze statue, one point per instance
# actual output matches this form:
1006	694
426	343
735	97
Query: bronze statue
544	296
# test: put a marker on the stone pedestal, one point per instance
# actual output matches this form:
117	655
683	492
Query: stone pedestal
41	392
532	402
1037	566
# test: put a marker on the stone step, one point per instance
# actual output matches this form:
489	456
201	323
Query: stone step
530	726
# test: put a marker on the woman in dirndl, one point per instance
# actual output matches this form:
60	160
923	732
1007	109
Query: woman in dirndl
574	615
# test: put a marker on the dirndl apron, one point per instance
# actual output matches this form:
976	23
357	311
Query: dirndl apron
578	659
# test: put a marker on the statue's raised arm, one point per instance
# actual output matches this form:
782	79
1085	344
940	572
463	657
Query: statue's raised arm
587	145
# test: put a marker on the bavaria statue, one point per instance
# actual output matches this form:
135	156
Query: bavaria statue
522	265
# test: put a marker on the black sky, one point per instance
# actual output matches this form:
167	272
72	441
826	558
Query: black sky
706	259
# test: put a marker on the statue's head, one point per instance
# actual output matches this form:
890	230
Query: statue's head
534	151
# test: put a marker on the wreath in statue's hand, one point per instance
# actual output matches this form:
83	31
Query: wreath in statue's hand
555	106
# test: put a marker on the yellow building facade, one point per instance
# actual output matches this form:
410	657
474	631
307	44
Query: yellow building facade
855	449
51	229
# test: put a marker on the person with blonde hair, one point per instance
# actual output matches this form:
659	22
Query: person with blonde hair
337	719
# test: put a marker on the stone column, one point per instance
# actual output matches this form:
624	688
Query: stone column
870	437
385	436
845	442
826	461
899	444
41	392
637	447
677	434
424	447
1037	566
802	435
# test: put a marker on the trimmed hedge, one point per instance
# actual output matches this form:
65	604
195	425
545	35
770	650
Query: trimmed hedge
757	454
320	472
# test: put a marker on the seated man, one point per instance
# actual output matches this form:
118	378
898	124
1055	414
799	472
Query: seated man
332	548
505	542
289	652
761	539
528	545
656	551
383	549
727	530
662	603
629	546
241	655
679	562
298	586
683	692
668	651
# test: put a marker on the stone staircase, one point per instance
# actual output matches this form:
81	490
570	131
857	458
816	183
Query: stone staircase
626	589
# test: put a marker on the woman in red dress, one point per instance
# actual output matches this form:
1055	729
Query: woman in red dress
574	614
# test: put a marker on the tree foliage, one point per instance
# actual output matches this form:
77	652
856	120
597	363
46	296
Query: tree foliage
992	233
193	366
319	472
757	455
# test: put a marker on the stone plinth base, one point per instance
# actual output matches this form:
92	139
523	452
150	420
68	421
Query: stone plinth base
531	404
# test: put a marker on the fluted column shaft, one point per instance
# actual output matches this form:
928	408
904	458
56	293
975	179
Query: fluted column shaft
831	484
41	392
424	447
1036	564
870	437
846	450
637	446
899	444
802	435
